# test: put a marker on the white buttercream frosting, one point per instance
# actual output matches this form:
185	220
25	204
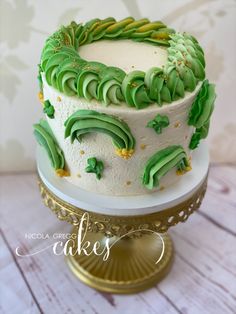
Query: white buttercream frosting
120	176
125	54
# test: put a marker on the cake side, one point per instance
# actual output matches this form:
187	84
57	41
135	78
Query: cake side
122	116
120	176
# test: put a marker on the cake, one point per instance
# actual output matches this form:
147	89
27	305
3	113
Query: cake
125	102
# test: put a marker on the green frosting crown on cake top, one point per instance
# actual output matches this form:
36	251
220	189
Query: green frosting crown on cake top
66	71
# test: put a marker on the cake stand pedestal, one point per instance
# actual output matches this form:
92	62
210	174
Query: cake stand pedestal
135	227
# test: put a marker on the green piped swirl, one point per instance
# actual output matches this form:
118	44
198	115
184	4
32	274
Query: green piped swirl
201	112
87	121
162	162
70	74
45	138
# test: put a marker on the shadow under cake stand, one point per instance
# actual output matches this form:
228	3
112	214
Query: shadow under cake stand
142	251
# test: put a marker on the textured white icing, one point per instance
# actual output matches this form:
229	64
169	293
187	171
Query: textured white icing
119	171
125	54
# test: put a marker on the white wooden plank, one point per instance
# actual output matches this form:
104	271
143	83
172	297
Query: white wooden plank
215	242
208	253
15	296
221	197
190	292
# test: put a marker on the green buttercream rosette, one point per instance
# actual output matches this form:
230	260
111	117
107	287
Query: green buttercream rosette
66	71
200	113
47	140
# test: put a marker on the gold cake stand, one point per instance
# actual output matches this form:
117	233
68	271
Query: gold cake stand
142	251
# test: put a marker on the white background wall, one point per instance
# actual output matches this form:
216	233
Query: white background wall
25	24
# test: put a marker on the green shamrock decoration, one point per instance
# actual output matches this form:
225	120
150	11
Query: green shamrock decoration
95	166
158	123
48	109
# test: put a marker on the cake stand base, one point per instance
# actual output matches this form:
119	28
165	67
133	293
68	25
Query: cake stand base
131	266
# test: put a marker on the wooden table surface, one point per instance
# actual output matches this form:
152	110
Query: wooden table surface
202	280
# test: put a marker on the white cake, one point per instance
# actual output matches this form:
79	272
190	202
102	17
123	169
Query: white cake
121	176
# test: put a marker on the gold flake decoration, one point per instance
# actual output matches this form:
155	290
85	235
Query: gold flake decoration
124	153
62	173
40	97
180	172
177	124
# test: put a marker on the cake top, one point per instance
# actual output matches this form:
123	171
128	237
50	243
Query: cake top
127	55
66	70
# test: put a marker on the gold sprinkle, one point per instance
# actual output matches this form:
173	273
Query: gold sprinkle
143	146
58	98
128	182
40	97
82	152
162	188
177	124
62	173
181	172
155	52
79	175
124	153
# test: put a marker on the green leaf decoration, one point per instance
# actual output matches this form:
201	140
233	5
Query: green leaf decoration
195	140
92	162
198	135
46	139
158	123
95	166
39	77
200	113
49	109
203	105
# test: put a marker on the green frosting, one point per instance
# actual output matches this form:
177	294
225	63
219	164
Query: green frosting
69	73
162	162
39	77
203	105
45	138
198	135
158	123
95	166
87	121
200	113
48	109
